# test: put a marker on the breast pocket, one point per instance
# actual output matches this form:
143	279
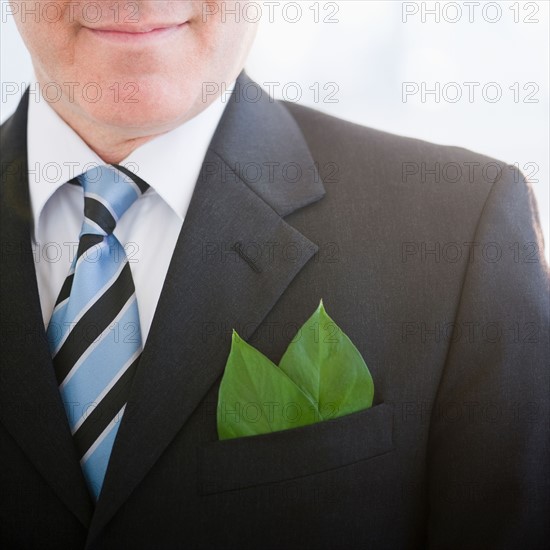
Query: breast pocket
248	461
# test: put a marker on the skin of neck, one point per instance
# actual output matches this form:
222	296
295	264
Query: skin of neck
110	142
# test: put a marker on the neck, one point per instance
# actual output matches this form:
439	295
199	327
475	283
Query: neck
111	144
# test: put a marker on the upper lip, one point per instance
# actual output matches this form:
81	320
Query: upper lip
136	29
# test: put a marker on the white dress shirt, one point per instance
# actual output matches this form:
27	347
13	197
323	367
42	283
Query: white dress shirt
148	231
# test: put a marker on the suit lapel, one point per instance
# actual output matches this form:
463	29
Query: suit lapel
31	406
210	285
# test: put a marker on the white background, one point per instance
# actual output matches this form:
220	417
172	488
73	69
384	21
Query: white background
366	50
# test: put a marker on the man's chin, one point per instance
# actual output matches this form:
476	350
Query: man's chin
140	120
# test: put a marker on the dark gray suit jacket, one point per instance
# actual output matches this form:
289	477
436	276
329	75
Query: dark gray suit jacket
428	257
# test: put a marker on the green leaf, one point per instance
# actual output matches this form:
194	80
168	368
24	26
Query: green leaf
321	375
326	365
257	397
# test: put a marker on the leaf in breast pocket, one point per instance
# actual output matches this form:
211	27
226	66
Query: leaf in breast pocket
321	375
327	366
257	397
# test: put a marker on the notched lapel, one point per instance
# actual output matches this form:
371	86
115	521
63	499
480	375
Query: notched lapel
234	258
31	406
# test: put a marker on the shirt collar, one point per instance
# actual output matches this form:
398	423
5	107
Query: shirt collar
169	163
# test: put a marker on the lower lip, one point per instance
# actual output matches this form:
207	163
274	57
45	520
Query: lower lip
136	37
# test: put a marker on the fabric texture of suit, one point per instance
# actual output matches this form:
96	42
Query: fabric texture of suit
436	279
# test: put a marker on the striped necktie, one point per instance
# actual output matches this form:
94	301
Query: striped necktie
94	332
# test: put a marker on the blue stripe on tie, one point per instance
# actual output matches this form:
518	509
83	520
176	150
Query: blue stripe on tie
92	281
99	368
114	188
95	464
91	228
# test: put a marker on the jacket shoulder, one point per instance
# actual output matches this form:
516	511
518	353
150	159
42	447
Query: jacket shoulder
363	145
415	181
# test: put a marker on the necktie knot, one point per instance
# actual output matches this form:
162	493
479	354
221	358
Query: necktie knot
109	191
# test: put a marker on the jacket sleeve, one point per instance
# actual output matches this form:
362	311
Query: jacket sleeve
488	449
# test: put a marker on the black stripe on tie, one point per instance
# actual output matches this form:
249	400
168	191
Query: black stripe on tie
65	291
100	315
143	186
107	409
98	213
87	242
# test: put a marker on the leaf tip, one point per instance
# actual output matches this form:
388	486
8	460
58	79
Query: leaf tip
321	310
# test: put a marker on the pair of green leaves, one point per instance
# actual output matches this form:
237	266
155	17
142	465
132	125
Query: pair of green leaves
321	376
